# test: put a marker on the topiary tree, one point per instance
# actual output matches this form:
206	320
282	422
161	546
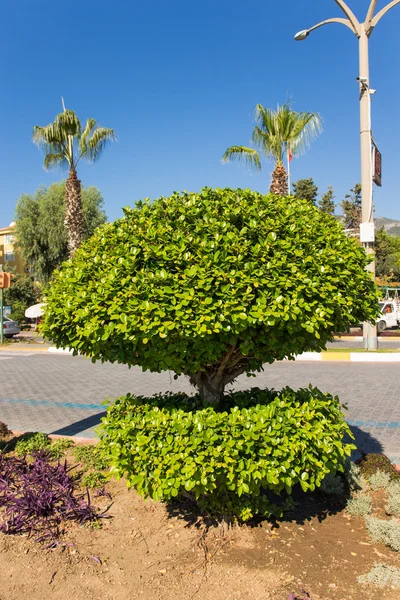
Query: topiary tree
210	285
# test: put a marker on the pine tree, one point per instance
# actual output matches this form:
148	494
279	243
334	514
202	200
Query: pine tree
305	189
351	206
326	203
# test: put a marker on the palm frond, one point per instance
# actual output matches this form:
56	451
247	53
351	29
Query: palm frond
90	125
95	145
55	160
243	153
305	129
268	141
59	137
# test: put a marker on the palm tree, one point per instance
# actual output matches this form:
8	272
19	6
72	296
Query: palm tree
277	133
64	143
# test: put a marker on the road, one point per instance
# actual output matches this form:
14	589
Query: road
62	394
384	343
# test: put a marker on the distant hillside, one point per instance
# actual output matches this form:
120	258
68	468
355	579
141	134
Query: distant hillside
391	225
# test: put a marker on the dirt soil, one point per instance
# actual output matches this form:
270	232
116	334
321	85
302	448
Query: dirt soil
150	551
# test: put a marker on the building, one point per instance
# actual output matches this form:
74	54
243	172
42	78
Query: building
8	255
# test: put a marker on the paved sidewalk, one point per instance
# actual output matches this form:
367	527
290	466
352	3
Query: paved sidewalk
62	394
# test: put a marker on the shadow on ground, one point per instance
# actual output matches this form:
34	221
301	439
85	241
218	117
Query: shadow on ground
365	442
82	425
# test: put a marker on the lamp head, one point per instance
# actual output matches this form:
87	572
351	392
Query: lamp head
301	35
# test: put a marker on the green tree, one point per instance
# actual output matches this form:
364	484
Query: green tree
23	293
65	143
23	290
387	255
351	206
326	203
276	133
211	285
305	189
40	231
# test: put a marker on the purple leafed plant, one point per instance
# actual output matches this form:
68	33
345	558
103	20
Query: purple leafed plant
37	496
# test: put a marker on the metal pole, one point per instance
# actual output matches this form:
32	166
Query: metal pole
370	340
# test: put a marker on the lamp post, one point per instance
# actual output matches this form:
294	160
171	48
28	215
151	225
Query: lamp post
363	32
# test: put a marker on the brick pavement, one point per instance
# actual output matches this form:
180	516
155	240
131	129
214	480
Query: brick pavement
63	394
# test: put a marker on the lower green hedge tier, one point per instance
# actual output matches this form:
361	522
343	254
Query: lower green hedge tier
228	460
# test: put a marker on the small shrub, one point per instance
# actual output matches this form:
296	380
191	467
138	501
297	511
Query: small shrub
4	431
32	443
379	480
386	532
226	459
393	505
38	496
371	463
359	505
355	480
332	485
94	479
91	457
59	447
381	576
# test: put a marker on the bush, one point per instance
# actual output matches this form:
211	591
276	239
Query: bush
225	459
332	485
371	463
91	457
94	479
36	497
382	576
386	532
379	480
18	312
32	442
59	447
211	285
354	479
393	505
4	431
359	505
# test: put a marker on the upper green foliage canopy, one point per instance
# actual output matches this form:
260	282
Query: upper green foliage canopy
182	282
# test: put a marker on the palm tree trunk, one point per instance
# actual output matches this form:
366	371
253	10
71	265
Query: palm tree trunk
279	183
73	212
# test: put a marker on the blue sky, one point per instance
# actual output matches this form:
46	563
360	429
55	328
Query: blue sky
178	81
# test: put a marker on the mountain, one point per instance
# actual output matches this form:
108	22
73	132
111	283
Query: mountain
391	225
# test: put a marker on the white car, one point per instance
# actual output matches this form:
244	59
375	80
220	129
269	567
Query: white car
10	328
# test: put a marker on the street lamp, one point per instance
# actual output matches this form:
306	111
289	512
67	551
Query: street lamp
363	32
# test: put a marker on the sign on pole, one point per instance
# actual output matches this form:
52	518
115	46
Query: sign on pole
377	165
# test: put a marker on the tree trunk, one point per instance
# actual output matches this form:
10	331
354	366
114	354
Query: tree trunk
73	212
279	184
211	381
210	386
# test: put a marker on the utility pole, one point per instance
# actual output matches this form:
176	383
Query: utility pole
363	32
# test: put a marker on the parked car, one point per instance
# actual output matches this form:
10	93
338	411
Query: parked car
10	328
390	315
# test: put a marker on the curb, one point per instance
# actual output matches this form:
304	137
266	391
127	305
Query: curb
28	348
79	440
359	338
349	356
55	350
